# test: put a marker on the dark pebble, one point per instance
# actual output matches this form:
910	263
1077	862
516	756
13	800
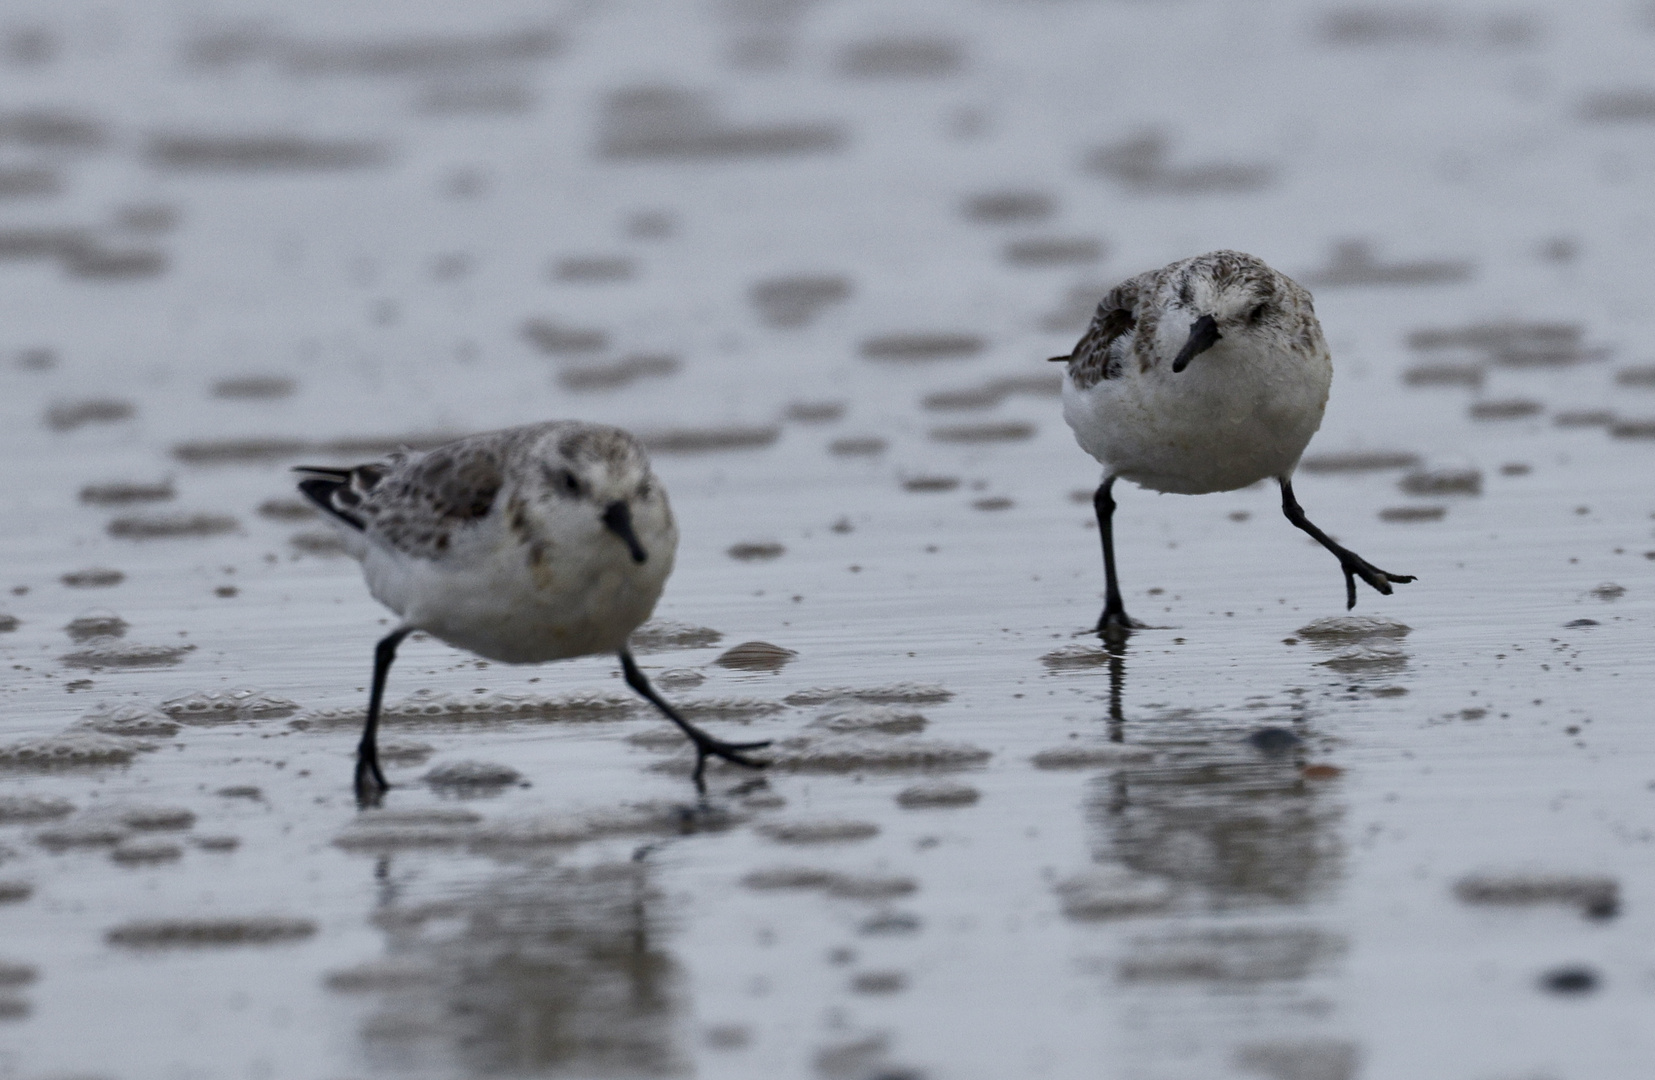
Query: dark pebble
1273	740
1570	980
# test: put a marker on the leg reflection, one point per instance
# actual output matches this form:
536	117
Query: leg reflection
1117	686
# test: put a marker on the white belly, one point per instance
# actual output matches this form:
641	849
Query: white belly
501	609
1207	428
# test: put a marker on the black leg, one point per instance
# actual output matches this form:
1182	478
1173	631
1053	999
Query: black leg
1115	622
704	744
370	780
1351	563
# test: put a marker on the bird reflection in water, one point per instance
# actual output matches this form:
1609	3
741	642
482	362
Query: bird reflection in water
543	970
1227	816
1235	971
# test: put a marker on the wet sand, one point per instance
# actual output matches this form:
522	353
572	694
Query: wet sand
817	256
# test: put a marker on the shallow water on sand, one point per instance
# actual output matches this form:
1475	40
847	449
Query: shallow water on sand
817	255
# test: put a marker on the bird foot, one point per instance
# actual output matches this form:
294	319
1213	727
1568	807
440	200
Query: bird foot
729	751
1117	625
370	784
706	746
1381	581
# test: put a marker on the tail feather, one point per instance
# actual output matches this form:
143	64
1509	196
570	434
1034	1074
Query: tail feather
338	492
328	472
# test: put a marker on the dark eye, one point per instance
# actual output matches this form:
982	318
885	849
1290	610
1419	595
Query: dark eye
565	482
1257	313
645	490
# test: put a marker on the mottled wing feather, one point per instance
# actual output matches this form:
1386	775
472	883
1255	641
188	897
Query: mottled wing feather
1098	356
413	504
456	483
419	507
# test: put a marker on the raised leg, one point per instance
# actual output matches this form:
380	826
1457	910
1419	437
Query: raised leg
370	780
1114	622
1351	563
704	744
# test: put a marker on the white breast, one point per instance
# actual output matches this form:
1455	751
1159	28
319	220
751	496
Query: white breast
1233	417
490	598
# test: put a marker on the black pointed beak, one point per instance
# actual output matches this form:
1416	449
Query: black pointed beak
1203	335
617	518
1060	359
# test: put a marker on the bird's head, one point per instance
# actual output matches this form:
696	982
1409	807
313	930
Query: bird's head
599	477
1224	296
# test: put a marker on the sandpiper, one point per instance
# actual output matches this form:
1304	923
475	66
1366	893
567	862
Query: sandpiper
529	544
1206	375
